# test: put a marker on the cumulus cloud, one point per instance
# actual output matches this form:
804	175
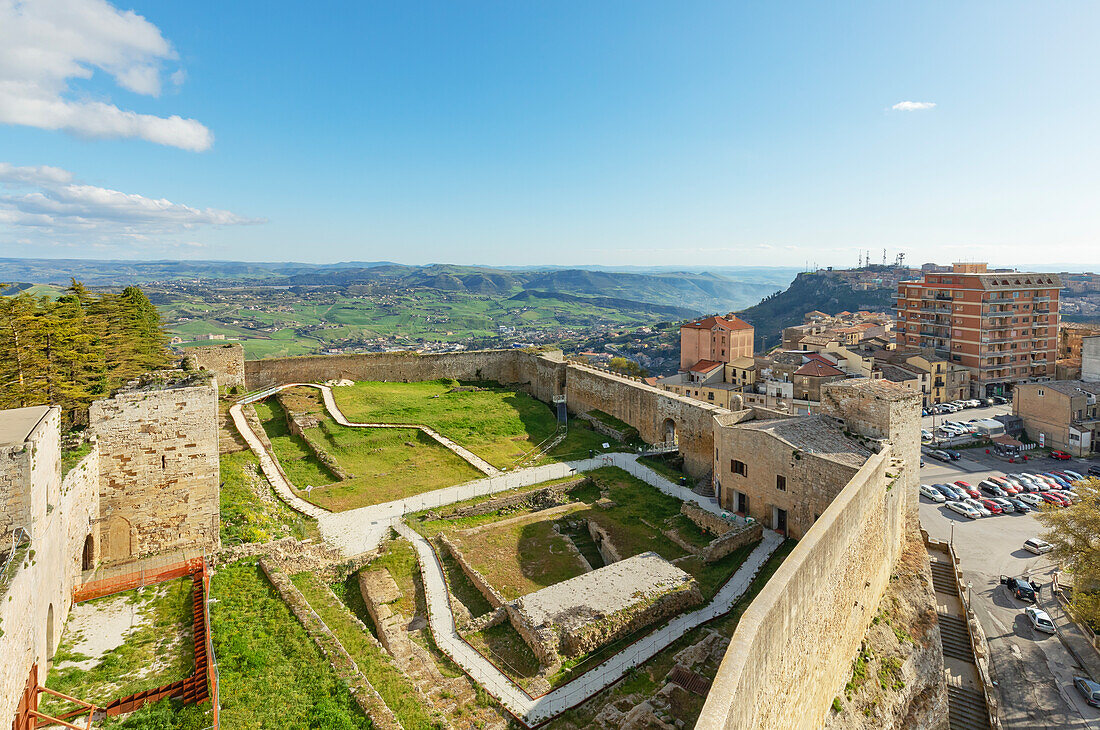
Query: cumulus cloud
913	106
50	201
46	43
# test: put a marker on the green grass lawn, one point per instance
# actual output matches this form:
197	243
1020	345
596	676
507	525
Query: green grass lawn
521	557
508	651
298	462
395	689
385	464
155	645
245	517
272	675
497	423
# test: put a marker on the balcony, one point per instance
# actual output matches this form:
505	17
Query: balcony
1040	299
998	300
943	298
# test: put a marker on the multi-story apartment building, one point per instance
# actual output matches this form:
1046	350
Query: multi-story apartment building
1002	325
715	339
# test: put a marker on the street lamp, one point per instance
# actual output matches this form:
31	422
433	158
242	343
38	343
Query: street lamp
952	534
969	593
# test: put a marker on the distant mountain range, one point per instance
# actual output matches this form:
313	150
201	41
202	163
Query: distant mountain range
682	291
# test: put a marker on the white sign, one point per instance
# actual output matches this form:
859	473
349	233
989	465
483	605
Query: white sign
1042	440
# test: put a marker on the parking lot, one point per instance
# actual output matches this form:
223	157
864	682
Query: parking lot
1033	671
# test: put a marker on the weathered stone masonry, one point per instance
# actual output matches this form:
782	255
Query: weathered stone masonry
159	473
224	362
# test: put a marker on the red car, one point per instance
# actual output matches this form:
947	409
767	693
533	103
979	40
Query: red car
974	493
992	506
1061	455
1055	499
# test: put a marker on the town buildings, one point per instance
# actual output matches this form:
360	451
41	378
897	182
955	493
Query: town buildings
1062	414
846	328
1001	325
715	339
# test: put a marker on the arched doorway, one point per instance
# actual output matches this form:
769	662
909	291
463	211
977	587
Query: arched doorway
118	545
668	431
49	636
87	557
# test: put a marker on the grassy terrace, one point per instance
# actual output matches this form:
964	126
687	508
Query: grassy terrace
386	464
498	424
247	518
124	643
298	462
399	695
272	675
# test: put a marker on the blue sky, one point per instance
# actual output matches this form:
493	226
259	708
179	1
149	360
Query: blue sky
553	132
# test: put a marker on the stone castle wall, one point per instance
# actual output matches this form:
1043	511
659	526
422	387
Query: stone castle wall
792	650
224	362
544	375
36	591
159	474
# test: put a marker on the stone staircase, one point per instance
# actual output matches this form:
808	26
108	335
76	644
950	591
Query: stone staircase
966	707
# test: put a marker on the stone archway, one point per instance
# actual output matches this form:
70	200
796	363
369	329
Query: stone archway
668	431
49	637
87	556
119	542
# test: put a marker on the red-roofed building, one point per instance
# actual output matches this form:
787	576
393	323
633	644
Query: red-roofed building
809	378
717	339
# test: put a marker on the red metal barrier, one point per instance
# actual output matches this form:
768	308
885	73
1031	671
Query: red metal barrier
136	579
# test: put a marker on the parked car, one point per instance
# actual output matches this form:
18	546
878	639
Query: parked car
963	509
973	403
1089	689
1094	470
1073	475
1037	546
1020	588
925	435
1060	481
1054	498
999	400
991	506
1070	495
955	455
971	491
982	510
991	489
932	493
1033	500
1007	507
1060	455
939	454
1040	620
1021	506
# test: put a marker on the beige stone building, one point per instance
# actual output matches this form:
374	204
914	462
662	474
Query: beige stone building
1061	415
785	470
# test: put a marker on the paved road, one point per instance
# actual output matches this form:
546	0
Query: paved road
966	414
1033	671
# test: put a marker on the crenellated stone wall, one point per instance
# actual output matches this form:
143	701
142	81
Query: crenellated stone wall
159	472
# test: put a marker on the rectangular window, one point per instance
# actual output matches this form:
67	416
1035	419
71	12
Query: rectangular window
739	467
781	483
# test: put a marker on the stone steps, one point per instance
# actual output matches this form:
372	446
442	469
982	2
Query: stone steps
967	710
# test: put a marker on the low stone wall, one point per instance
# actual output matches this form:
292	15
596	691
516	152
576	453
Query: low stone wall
365	695
600	536
732	541
379	590
492	595
603	429
298	424
296	556
543	498
708	521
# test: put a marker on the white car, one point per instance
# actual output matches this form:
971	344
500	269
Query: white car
1040	620
932	494
978	506
925	435
963	509
1032	499
1037	546
973	403
1006	506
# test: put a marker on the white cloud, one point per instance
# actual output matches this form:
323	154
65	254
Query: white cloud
46	43
49	201
913	106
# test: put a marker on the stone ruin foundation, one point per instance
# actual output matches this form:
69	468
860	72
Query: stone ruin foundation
584	613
